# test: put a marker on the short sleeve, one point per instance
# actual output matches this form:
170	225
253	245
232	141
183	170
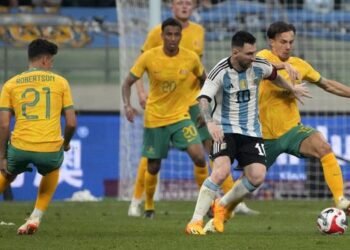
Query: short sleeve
140	65
5	98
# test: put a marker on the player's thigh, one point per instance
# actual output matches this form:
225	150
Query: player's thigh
272	149
184	134
250	150
292	140
202	131
226	148
155	143
47	162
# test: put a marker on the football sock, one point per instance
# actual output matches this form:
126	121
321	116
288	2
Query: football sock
206	195
227	184
333	175
150	188
241	188
46	190
37	213
3	183
140	179
200	174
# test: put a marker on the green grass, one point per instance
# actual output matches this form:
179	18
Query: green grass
104	225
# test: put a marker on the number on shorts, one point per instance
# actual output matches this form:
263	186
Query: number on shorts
189	132
261	148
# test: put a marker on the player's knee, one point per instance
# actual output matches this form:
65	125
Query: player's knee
199	161
323	149
219	176
8	176
257	178
153	166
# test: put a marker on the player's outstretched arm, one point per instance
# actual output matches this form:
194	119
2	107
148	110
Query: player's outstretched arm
334	87
126	93
299	91
292	72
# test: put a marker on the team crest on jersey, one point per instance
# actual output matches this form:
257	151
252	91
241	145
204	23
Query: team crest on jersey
183	71
243	84
196	43
150	150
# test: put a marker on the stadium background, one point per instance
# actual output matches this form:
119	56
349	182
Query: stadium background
94	71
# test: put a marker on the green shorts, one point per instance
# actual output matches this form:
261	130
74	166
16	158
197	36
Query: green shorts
288	143
156	141
203	131
18	160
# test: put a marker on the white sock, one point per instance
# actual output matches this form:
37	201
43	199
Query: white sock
37	213
206	195
136	202
235	195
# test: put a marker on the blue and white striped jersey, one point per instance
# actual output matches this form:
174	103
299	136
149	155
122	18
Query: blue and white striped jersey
235	95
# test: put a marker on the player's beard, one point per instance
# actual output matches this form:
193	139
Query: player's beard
244	65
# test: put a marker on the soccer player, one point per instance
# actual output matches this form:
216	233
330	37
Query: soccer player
235	128
36	97
280	118
192	39
170	68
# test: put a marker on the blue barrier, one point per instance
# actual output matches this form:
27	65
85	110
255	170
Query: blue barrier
95	155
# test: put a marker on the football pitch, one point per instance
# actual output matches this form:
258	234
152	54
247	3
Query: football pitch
105	225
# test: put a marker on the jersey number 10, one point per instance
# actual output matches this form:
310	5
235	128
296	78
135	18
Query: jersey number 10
243	96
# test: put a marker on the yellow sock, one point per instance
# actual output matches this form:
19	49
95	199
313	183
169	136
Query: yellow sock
140	179
3	183
200	174
46	190
333	175
227	184
150	188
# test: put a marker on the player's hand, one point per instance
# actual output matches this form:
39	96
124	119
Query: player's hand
292	72
215	131
300	91
66	147
143	99
130	113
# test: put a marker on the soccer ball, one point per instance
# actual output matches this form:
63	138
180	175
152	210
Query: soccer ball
332	221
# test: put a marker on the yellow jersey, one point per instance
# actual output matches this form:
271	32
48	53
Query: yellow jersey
278	112
37	98
193	39
169	76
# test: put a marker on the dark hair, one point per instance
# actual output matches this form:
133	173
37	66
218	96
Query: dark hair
171	22
40	47
278	28
241	37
